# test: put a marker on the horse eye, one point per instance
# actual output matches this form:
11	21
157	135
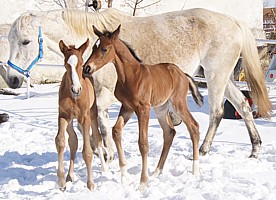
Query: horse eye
25	42
104	49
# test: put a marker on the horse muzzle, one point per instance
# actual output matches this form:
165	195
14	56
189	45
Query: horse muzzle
76	91
14	81
88	70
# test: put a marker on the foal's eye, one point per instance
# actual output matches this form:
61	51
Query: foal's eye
104	49
25	42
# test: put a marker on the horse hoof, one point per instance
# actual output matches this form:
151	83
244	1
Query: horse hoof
90	185
62	188
69	178
4	117
176	120
253	156
156	173
143	186
202	152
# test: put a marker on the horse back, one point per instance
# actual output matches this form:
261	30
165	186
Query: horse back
167	79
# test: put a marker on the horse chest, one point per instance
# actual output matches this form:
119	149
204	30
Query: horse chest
73	108
132	95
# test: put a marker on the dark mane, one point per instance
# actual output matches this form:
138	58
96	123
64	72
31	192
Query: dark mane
132	51
107	33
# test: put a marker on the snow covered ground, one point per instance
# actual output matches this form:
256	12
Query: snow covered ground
28	157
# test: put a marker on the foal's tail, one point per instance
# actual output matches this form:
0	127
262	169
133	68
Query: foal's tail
253	72
194	90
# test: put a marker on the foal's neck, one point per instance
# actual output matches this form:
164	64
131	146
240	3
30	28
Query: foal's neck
125	63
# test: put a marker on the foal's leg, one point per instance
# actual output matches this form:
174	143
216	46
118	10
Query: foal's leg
96	136
235	96
143	114
87	151
168	135
181	107
73	145
60	145
124	116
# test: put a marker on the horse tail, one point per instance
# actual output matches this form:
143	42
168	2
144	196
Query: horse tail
253	72
198	98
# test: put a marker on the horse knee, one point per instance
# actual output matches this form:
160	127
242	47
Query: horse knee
143	147
116	133
87	154
60	142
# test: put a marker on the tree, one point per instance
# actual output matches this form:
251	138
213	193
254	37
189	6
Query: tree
50	3
109	3
135	5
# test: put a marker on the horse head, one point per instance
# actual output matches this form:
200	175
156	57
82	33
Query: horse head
24	47
73	62
103	51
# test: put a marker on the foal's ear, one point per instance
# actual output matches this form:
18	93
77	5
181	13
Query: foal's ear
96	31
62	46
116	33
84	46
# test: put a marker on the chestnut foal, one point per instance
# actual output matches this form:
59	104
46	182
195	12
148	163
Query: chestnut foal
140	87
77	100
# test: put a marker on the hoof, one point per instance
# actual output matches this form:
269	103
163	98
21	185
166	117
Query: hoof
4	117
143	186
156	173
62	188
253	156
90	185
69	178
203	151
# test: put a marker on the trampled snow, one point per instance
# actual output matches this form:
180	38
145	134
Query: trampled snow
28	157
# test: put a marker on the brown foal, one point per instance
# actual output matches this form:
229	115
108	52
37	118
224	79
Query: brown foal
76	100
140	87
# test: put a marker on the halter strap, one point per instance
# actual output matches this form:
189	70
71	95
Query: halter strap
26	72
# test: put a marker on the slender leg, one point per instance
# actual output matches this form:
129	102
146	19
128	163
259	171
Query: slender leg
87	151
235	96
104	99
168	135
216	91
124	116
182	110
217	83
60	145
96	136
143	114
106	132
73	145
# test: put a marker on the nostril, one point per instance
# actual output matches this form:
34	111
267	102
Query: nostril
72	90
87	69
14	82
76	91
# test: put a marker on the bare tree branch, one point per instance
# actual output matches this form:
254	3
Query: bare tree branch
136	5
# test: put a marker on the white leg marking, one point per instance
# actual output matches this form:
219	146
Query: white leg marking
196	167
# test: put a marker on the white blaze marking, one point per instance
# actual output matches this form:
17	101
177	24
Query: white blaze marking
98	42
73	61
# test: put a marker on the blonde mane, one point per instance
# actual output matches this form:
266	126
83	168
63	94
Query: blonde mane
81	22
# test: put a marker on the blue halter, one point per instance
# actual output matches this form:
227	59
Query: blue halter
26	72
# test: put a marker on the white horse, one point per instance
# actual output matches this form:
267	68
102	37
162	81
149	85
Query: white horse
188	38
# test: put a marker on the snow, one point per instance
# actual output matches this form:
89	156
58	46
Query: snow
28	157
